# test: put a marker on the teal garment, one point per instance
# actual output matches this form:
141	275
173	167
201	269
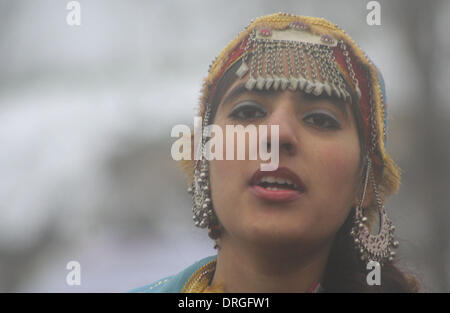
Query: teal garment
176	282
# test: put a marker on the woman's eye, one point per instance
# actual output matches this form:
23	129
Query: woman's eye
322	120
247	111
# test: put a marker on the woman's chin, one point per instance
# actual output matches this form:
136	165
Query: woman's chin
270	237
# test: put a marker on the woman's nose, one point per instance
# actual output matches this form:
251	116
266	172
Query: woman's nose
286	118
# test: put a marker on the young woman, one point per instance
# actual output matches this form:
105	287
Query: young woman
308	225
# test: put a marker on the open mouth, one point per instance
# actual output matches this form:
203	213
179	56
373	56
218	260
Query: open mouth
277	183
281	185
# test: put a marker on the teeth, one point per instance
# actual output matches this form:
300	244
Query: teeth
278	180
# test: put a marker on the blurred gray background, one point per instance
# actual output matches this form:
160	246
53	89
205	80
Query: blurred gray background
85	119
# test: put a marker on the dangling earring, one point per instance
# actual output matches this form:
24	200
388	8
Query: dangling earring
203	212
373	247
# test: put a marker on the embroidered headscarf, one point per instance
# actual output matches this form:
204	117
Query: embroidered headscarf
320	58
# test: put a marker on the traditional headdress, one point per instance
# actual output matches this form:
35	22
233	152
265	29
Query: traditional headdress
319	58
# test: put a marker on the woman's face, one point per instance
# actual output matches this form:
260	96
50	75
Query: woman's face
318	142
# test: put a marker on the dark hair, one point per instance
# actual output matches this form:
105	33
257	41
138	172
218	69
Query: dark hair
345	272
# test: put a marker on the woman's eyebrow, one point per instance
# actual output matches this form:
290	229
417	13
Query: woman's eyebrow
338	103
240	89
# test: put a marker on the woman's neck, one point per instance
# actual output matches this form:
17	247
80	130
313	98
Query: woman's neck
243	268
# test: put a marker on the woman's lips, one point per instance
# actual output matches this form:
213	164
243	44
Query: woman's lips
283	193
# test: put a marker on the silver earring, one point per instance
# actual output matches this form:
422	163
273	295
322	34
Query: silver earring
200	189
378	247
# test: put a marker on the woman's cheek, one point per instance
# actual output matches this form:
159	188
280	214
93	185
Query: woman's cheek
226	192
225	182
337	165
340	160
218	185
